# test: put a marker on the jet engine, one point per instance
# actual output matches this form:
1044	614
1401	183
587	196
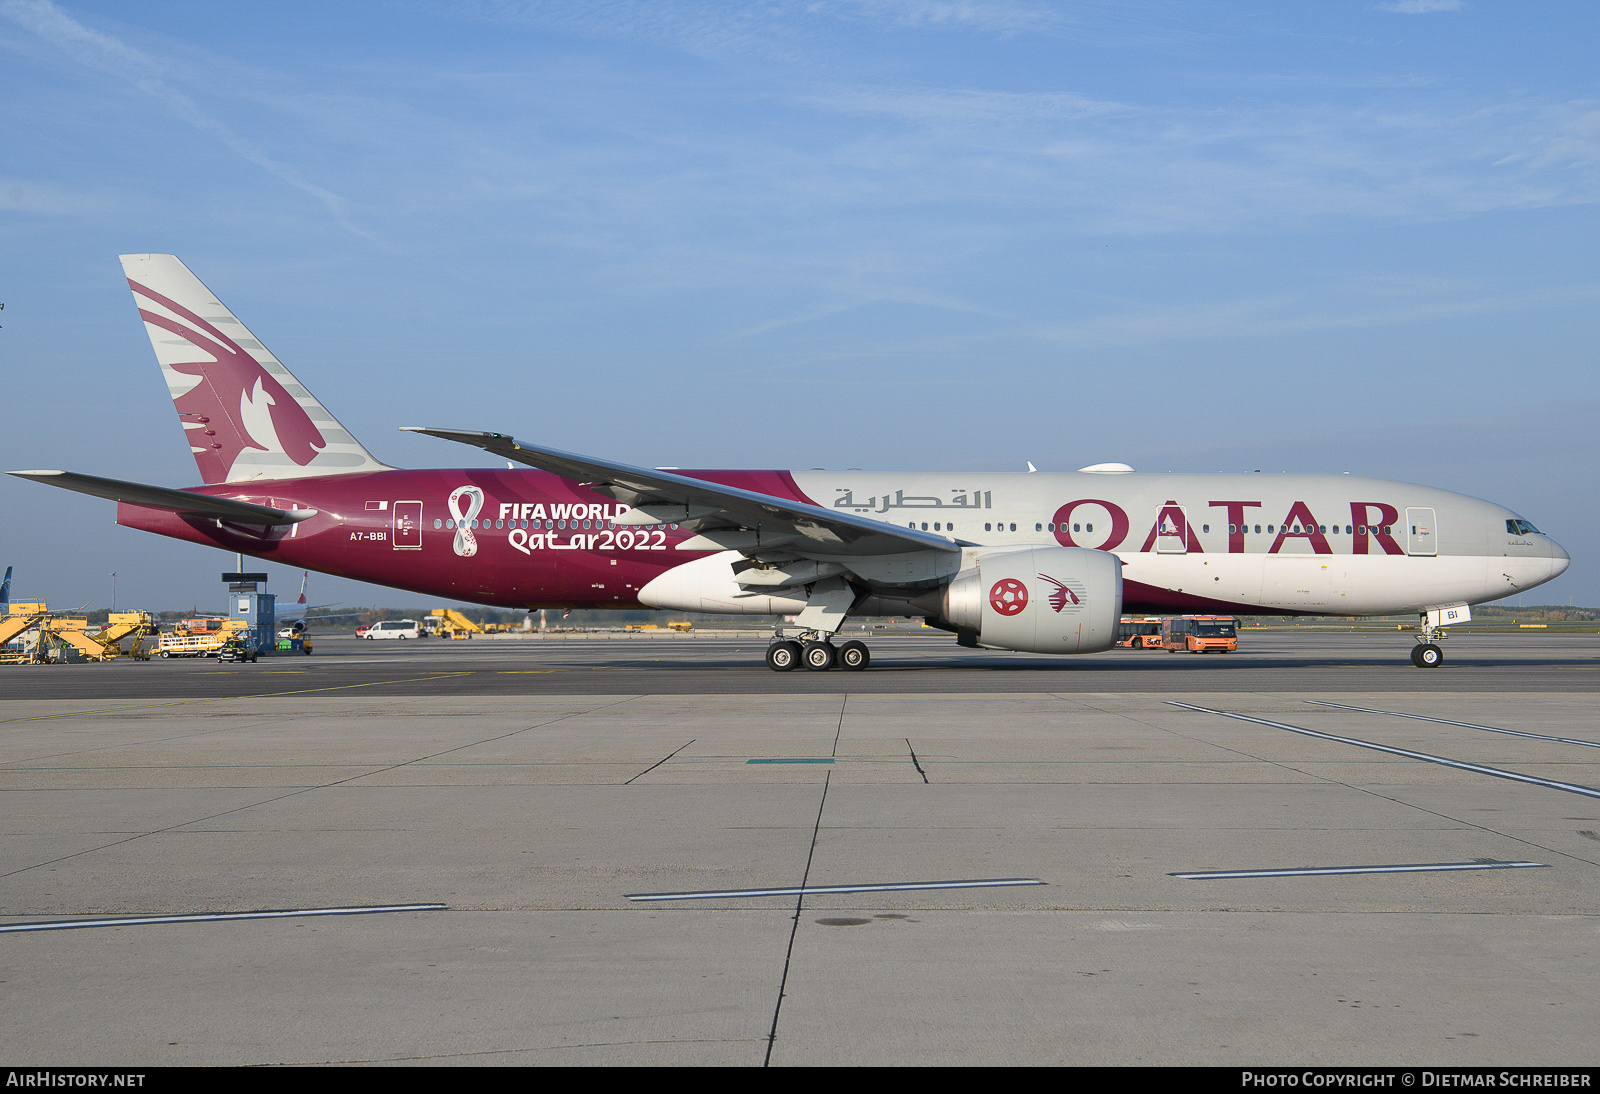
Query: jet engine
1045	600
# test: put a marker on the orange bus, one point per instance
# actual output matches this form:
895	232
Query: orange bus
1200	634
1139	634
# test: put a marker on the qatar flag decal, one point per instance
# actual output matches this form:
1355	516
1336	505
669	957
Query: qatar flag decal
1065	597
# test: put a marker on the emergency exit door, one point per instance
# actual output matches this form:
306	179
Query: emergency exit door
1421	532
406	528
1172	530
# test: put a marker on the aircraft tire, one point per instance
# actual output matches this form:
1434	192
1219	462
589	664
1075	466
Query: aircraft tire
783	656
819	656
1427	656
854	656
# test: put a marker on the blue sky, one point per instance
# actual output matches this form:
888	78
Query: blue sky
888	233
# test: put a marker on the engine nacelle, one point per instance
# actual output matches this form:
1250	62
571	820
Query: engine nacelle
1044	600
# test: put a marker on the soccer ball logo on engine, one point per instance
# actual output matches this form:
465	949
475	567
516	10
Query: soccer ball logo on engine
1008	596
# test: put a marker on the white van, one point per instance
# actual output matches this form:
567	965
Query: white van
394	628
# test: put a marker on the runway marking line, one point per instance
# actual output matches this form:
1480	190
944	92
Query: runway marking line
1464	725
1322	871
811	890
1461	765
814	760
217	917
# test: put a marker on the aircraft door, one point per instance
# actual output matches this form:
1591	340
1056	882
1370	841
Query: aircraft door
1421	532
1172	530
406	533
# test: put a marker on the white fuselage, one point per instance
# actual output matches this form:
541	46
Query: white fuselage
1320	544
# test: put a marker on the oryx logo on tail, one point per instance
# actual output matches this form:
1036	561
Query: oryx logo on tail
235	404
244	414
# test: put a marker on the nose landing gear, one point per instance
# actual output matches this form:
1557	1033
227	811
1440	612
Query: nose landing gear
1426	654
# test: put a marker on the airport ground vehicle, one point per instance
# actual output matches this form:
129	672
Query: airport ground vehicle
449	623
236	648
1200	634
1036	562
394	628
201	643
1139	634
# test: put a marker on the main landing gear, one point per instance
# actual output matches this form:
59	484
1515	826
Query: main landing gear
828	602
1426	654
813	651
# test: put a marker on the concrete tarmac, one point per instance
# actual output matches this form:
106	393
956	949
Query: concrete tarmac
902	663
532	787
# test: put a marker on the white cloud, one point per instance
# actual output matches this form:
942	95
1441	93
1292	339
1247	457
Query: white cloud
1422	7
1369	303
46	199
103	53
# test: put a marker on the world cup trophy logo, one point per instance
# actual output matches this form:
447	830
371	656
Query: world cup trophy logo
466	544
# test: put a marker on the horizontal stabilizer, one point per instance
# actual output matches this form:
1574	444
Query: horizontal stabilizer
160	497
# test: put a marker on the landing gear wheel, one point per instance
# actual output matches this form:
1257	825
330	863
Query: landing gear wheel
819	656
1427	656
854	656
783	656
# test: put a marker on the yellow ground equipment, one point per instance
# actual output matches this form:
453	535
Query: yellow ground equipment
57	633
449	623
24	616
204	644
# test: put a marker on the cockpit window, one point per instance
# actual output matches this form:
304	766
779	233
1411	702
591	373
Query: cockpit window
1522	528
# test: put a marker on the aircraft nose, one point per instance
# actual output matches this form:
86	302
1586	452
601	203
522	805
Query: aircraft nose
1559	559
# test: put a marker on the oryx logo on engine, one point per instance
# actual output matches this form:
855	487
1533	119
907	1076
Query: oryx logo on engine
1065	598
1008	596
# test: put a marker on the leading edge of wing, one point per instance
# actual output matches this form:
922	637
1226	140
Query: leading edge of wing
182	502
828	531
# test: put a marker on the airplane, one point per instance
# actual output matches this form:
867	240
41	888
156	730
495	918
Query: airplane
1029	561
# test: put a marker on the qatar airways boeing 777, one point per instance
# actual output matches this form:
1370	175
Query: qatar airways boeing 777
1036	562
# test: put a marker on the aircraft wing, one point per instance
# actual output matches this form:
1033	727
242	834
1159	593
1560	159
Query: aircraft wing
723	514
182	502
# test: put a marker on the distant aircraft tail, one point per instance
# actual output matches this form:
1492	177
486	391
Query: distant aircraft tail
244	414
5	593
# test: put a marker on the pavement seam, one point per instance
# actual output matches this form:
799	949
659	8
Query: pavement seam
794	929
304	790
1288	766
914	762
663	760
